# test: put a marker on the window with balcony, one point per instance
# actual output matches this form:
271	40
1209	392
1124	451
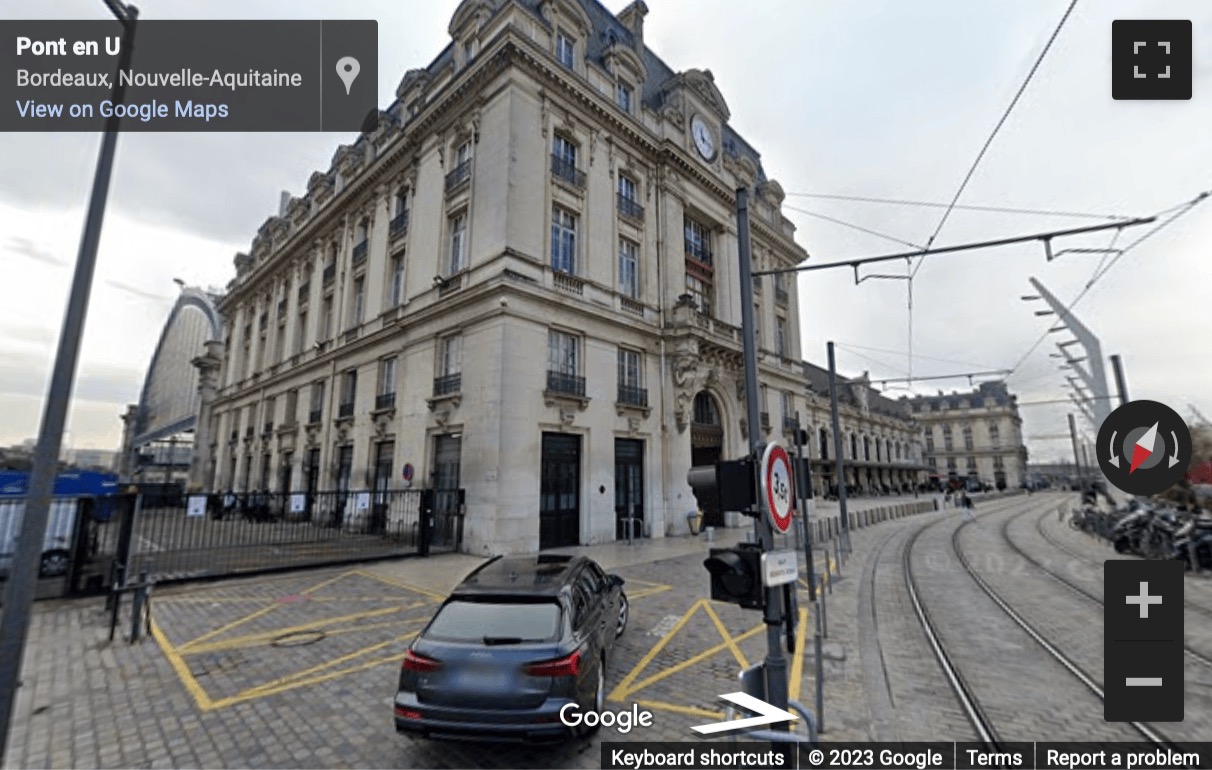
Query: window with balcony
316	410
701	289
947	445
292	408
301	332
971	463
396	281
623	94
787	410
271	409
385	397
326	319
565	49
563	241
462	168
629	279
629	198
399	214
349	393
361	241
698	241
357	310
458	243
631	382
951	464
563	364
564	162
968	437
280	343
995	436
780	288
780	336
450	366
330	266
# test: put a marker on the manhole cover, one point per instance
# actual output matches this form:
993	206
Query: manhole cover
298	638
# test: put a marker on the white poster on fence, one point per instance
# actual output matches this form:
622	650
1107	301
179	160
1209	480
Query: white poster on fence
298	502
363	501
197	506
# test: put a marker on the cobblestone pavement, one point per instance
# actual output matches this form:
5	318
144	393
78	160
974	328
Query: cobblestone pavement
299	670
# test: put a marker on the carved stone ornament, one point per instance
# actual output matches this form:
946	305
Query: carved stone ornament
313	435
633	425
687	378
382	424
567	417
343	430
441	416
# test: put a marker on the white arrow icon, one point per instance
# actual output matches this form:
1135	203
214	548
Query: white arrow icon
1174	457
1114	455
767	714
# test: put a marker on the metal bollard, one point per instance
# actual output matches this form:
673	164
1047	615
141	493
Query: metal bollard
837	548
820	670
137	605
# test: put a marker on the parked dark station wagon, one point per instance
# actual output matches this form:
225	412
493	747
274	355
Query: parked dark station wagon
519	639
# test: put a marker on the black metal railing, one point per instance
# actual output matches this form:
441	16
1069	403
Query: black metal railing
562	168
698	251
235	436
448	384
248	432
359	252
790	423
780	295
629	208
461	174
267	427
385	401
633	396
570	384
399	224
304	292
765	419
345	410
330	274
281	309
263	323
314	416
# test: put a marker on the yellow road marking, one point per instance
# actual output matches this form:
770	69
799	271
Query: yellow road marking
183	673
193	648
797	664
621	690
249	695
727	637
652	589
679	709
289	679
400	584
260	612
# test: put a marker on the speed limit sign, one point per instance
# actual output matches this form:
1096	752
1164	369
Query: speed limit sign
777	488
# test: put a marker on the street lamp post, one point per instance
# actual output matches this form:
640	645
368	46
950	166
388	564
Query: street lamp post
22	581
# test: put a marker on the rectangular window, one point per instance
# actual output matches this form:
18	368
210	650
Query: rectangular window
397	281
563	353
301	332
267	417
349	391
387	376
564	150
629	369
458	243
317	402
780	336
326	329
357	312
627	188
563	241
622	96
463	154
787	407
280	343
565	49
698	241
629	279
292	407
699	287
451	353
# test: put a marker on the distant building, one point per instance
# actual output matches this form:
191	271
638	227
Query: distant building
977	435
101	459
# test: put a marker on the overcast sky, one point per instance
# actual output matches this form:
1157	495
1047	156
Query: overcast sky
842	97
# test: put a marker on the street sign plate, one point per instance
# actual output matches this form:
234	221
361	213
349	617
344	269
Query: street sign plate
779	567
777	490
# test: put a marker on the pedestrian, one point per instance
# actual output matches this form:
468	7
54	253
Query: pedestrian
966	502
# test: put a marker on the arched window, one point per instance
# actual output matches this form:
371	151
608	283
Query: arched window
705	411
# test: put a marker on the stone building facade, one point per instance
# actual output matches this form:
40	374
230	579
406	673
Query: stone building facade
523	284
976	435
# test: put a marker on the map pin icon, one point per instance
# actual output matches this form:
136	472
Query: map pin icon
347	70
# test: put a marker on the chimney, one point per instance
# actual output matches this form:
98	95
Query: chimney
284	203
632	18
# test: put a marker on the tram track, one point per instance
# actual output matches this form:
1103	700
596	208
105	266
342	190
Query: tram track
965	688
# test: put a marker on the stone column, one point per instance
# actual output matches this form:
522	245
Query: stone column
125	464
208	365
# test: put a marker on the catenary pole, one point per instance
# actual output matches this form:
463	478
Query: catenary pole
1121	385
837	449
775	663
22	582
1077	458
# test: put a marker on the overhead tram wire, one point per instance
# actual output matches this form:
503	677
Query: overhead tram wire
853	226
901	352
975	163
969	207
1178	211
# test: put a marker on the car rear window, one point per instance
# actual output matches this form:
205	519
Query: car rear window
464	621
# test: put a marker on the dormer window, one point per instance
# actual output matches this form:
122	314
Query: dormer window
623	96
565	49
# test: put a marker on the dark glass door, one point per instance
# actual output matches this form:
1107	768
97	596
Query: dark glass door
560	491
448	451
628	487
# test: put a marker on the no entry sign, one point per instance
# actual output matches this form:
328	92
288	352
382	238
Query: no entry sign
777	487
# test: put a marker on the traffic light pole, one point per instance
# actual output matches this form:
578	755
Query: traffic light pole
775	664
23	578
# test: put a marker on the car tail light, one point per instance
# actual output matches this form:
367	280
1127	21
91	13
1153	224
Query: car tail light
419	663
567	666
404	713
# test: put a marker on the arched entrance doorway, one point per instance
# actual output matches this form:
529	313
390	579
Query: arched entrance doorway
706	444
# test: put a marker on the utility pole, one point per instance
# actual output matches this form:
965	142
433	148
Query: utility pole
837	449
803	499
1121	385
23	579
775	664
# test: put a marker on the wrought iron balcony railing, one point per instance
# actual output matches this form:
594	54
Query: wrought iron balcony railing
461	174
448	384
399	224
571	384
566	170
359	252
629	208
633	396
385	401
345	410
698	252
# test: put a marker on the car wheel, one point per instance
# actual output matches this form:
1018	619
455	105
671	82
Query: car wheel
621	622
598	704
54	563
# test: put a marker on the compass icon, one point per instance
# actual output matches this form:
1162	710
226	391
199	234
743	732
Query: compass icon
1144	448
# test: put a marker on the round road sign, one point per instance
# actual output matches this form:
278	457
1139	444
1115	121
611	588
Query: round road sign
777	488
408	471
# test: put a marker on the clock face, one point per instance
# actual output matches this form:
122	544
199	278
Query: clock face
704	139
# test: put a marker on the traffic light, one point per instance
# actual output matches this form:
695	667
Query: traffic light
726	486
736	575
